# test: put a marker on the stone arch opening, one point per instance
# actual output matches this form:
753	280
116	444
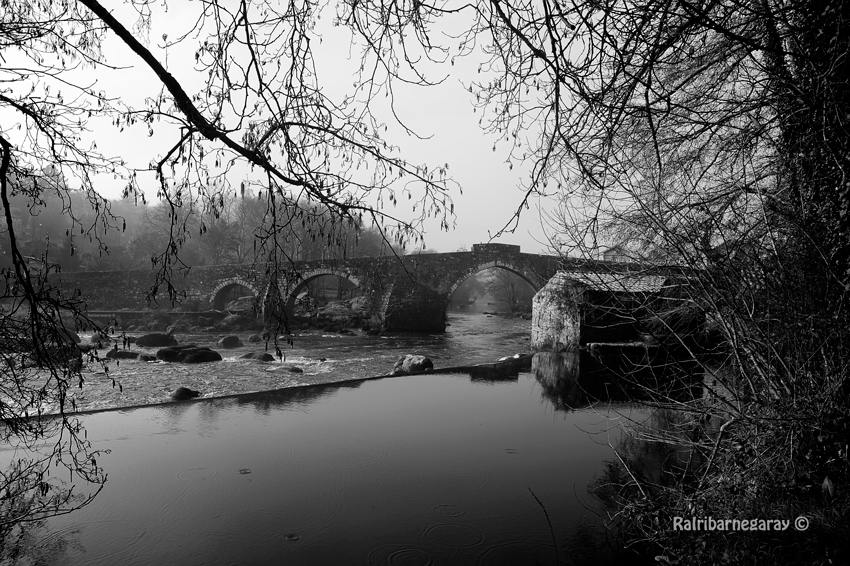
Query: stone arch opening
320	287
234	290
493	286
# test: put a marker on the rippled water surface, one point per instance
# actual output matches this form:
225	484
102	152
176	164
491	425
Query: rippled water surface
322	357
430	469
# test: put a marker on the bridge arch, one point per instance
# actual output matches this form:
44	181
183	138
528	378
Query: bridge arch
410	307
290	289
218	297
532	279
290	292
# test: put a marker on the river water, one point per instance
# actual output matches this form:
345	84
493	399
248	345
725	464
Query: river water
429	469
323	357
413	470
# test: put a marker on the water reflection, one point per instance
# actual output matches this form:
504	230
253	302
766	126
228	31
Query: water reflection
30	543
293	397
421	469
572	380
564	383
506	369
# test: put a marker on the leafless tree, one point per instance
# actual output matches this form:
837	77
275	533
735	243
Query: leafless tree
710	135
250	96
509	287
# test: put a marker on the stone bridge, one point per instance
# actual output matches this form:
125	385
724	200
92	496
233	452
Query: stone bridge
406	294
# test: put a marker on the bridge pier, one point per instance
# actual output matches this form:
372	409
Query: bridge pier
415	308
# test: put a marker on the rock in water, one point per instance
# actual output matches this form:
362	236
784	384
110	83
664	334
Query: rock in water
156	340
230	342
173	353
184	394
188	354
411	363
200	355
286	367
262	356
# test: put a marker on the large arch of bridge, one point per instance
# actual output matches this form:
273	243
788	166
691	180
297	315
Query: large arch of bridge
532	280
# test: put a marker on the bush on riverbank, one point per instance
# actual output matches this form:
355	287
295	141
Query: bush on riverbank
768	440
749	471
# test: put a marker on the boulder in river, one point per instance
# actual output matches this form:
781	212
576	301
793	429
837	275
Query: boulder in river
156	340
188	354
286	367
412	363
255	338
184	394
230	342
262	356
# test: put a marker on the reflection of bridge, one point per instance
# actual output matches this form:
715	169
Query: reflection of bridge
407	295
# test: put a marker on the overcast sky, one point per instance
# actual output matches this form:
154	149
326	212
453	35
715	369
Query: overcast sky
444	113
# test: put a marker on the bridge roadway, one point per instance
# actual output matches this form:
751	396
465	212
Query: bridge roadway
407	295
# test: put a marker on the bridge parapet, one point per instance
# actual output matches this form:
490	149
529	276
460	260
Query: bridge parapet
496	249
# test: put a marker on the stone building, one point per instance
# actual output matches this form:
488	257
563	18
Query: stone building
575	309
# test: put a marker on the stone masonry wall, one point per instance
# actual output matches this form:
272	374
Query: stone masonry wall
412	295
556	316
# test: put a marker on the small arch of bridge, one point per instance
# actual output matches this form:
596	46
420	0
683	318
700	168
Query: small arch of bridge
227	284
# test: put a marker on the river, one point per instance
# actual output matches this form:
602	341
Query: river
323	357
426	469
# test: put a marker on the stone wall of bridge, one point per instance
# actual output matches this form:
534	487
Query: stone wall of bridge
407	295
421	295
127	290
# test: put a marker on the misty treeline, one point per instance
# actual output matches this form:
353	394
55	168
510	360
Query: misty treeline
510	291
227	235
